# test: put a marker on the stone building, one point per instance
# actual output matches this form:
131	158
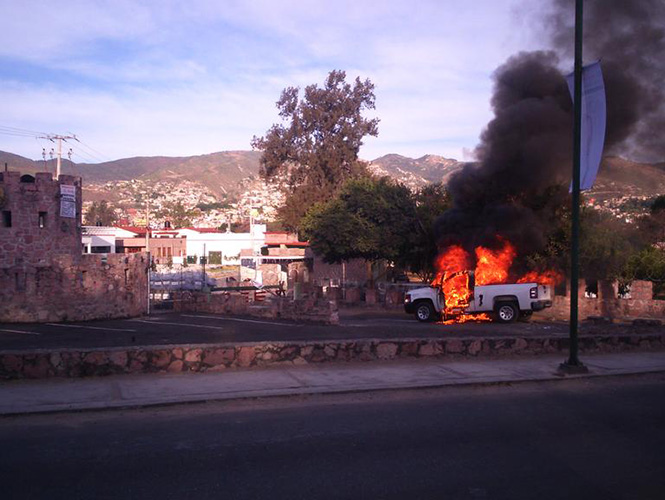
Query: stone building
41	218
44	275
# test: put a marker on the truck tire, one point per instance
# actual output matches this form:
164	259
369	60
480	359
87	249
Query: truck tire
425	311
506	312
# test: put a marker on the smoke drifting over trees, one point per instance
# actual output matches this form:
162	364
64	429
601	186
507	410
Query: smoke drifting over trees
520	182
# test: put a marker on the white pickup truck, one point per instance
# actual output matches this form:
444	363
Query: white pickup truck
505	302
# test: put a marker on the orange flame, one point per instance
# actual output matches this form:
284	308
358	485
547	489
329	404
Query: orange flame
550	277
492	267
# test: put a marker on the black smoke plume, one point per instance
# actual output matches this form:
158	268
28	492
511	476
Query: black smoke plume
524	163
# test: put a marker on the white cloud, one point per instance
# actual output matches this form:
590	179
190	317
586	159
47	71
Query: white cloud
179	78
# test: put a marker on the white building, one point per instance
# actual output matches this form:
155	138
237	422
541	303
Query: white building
102	239
222	247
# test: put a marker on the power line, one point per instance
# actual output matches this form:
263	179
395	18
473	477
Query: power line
19	131
93	150
90	151
87	152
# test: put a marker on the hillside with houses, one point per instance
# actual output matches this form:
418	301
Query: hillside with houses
224	189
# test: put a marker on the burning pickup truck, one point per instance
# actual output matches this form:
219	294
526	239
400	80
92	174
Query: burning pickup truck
501	302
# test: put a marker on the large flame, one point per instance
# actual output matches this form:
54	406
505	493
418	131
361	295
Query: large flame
492	267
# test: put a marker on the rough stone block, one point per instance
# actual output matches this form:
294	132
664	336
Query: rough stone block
118	358
40	368
428	349
520	345
193	356
160	358
245	356
330	350
218	357
96	358
12	363
454	346
409	349
386	350
175	367
474	347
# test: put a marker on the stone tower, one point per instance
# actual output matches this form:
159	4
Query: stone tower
40	219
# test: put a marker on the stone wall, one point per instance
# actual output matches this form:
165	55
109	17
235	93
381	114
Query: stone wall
37	232
608	305
309	310
93	286
220	357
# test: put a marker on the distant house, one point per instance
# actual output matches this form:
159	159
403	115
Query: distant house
222	247
282	259
103	239
164	246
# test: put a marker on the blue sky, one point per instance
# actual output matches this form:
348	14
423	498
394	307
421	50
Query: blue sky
174	78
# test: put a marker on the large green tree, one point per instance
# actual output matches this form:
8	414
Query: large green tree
100	214
316	147
649	265
377	219
369	219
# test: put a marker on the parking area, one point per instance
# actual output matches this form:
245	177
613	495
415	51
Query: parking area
173	328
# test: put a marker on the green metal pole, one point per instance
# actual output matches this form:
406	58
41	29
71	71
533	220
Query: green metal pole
573	363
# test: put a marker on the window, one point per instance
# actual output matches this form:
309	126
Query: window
7	218
42	219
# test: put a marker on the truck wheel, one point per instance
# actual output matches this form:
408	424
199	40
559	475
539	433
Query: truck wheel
425	311
506	312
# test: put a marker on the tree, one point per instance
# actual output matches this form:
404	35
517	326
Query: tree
100	214
648	265
372	219
658	204
431	201
177	214
606	245
316	149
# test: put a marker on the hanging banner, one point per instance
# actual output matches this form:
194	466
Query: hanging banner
67	201
594	118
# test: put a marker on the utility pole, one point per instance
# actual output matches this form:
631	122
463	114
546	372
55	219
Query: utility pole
573	364
59	139
147	247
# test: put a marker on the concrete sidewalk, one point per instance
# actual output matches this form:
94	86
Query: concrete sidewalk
53	395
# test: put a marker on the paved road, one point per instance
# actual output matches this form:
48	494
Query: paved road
596	438
162	329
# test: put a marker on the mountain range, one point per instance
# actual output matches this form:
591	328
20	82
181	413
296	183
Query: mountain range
223	172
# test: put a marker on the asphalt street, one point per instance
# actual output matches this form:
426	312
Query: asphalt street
172	328
577	439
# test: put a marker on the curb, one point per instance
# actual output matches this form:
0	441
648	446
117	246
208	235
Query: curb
288	392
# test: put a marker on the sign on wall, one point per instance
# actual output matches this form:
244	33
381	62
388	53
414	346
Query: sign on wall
67	201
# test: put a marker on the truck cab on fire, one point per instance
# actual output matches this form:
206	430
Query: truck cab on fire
503	302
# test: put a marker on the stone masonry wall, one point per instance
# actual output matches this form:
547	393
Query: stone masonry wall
220	357
639	305
309	310
93	286
32	240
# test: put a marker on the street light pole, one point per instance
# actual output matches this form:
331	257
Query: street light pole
573	364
